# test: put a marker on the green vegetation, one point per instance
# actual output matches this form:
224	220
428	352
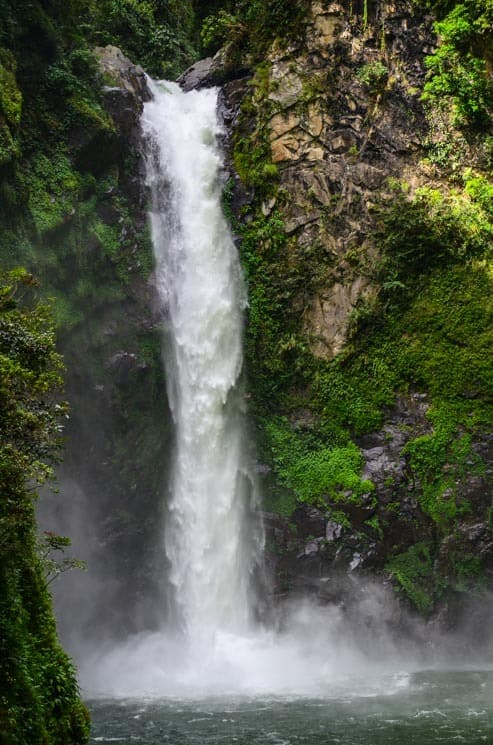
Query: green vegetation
50	548
458	70
432	333
413	570
374	76
67	211
158	34
434	228
64	209
316	475
39	700
247	27
10	108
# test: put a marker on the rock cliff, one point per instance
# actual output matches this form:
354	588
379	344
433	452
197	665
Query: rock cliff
340	196
118	433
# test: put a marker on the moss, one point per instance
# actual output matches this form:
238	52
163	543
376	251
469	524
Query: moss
413	570
53	187
316	475
252	163
441	460
278	499
374	524
10	108
469	573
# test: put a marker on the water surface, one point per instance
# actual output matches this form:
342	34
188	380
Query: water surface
424	708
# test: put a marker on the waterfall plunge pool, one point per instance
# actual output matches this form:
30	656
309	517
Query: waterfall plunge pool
420	708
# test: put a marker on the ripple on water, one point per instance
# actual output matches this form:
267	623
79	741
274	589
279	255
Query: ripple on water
434	708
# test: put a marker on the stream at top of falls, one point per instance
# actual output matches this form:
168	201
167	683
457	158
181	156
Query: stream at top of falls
213	673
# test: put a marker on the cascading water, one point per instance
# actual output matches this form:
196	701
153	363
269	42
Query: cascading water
211	540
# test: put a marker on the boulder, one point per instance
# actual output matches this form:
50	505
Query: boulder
198	75
121	73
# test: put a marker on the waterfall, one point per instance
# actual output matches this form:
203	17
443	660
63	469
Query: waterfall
211	540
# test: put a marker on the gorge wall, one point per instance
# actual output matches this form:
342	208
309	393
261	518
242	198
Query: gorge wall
362	204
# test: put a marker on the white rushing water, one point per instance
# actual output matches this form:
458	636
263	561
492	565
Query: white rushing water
211	540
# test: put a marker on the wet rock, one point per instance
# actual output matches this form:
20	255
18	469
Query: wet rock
124	95
230	97
121	74
309	521
333	531
312	547
274	524
355	562
211	71
198	75
286	84
328	317
327	123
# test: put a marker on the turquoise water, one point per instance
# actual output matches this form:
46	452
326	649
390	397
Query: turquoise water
424	708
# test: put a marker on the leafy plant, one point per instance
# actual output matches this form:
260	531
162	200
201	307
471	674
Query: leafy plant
458	71
317	475
49	545
373	76
39	698
414	573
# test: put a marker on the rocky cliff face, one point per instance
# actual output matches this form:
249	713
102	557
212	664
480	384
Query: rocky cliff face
342	114
112	478
347	118
332	146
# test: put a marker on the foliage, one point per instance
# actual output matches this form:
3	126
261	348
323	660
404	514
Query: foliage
458	70
30	370
49	545
155	33
49	190
438	459
218	29
39	700
433	229
10	108
250	25
468	572
53	187
316	475
413	571
373	76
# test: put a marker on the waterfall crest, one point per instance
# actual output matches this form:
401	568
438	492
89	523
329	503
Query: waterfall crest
211	540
